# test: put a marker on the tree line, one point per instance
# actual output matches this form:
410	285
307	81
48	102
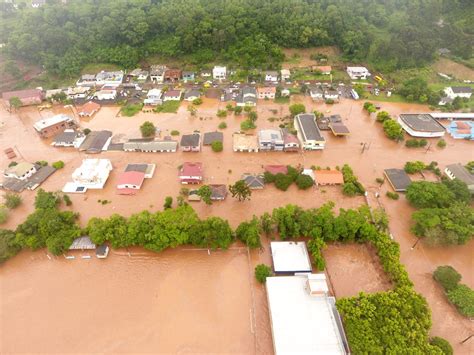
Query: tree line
389	34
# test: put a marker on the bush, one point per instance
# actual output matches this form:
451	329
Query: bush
383	116
447	277
247	125
42	163
197	101
304	182
222	125
463	298
329	101
221	113
67	200
392	195
441	143
147	129
237	110
262	271
58	164
174	132
412	167
12	200
217	146
3	215
443	344
283	181
168	202
393	130
86	131
296	109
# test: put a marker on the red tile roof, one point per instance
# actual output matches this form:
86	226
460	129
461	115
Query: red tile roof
131	178
23	94
324	177
89	108
191	169
276	169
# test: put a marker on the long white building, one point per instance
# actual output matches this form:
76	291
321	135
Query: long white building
92	174
421	125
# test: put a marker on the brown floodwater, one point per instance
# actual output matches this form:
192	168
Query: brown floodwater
226	167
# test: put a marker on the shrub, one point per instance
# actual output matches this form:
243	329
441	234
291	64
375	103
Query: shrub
296	109
447	276
463	298
12	200
441	143
443	344
304	182
86	131
174	132
147	129
168	202
58	164
237	110
3	215
197	101
221	113
222	125
247	125
67	200
283	181
379	180
392	195
412	167
262	271
42	163
217	146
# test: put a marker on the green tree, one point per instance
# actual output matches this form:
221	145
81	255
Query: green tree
168	202
192	110
383	116
238	110
3	214
8	245
442	344
147	129
447	276
249	233
12	200
241	190
412	167
58	164
222	125
205	193
463	297
217	146
296	109
15	102
441	143
425	194
197	102
221	113
393	130
46	200
262	271
213	232
304	182
459	189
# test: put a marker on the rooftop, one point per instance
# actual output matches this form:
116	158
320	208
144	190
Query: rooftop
290	257
243	141
461	89
421	122
310	130
89	108
190	140
51	121
254	181
461	173
218	192
82	243
191	169
328	177
398	178
276	169
20	169
131	178
210	137
22	94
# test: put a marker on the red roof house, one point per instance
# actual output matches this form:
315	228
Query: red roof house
130	182
276	169
329	177
191	173
88	109
27	97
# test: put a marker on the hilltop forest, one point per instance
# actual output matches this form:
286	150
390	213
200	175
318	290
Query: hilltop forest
387	34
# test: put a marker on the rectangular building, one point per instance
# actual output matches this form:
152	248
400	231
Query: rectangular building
458	171
421	125
290	257
308	132
49	127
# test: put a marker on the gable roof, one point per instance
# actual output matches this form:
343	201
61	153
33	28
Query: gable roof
210	137
88	108
23	94
190	140
191	93
254	181
191	169
20	169
329	177
276	169
461	173
218	191
461	89
398	178
131	178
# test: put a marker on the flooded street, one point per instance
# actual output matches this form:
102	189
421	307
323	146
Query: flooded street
182	301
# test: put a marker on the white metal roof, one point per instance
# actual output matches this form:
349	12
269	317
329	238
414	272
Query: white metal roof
301	323
290	257
51	121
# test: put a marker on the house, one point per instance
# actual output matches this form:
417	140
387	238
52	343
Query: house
51	126
458	91
68	138
191	142
218	192
191	173
219	72
27	97
331	94
192	94
188	76
316	93
129	182
92	174
206	73
398	179
172	75
285	92
82	243
356	73
247	97
21	171
254	182
107	93
421	125
245	142
266	92
193	195
211	137
458	171
310	173
335	124
138	75
308	132
88	80
172	95
276	169
153	97
270	139
147	169
304	318
323	69
166	146
88	109
289	258
96	142
285	74
328	177
37	3
461	130
77	92
271	76
291	142
157	73
112	78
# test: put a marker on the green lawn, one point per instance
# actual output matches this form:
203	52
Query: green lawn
131	110
383	98
282	100
168	107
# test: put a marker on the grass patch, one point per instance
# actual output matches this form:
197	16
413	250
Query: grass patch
385	98
168	107
94	68
131	109
282	100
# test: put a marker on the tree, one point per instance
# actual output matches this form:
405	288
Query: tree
213	232
282	181
463	297
247	125
412	167
425	194
238	110
249	233
241	190
221	113
252	116
192	110
46	200
393	130
168	202
217	146
12	200
147	129
304	182
459	189
262	271
197	102
15	102
222	125
447	276
205	193
383	116
296	109
58	164
441	143
442	344
3	215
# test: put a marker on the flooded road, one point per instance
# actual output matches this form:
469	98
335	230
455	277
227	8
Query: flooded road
226	167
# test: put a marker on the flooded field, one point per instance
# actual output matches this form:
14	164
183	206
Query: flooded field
226	167
180	301
354	268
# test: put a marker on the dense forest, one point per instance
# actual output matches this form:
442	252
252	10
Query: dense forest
387	34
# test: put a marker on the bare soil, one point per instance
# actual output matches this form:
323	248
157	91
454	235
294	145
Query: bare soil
450	67
303	55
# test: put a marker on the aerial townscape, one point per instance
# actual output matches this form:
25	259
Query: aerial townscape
237	177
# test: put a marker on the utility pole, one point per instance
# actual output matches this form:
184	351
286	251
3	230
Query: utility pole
469	337
414	245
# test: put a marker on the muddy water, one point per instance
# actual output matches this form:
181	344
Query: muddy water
226	167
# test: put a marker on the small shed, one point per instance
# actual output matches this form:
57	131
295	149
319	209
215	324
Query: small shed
82	243
398	179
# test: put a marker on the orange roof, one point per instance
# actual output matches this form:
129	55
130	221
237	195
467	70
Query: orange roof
131	178
324	177
322	68
270	89
89	108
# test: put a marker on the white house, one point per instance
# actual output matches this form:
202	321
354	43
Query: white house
358	72
78	92
153	97
157	73
458	91
421	125
247	97
285	74
219	72
138	74
113	78
172	95
87	80
21	171
316	93
92	174
271	76
331	94
106	94
308	132
266	92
